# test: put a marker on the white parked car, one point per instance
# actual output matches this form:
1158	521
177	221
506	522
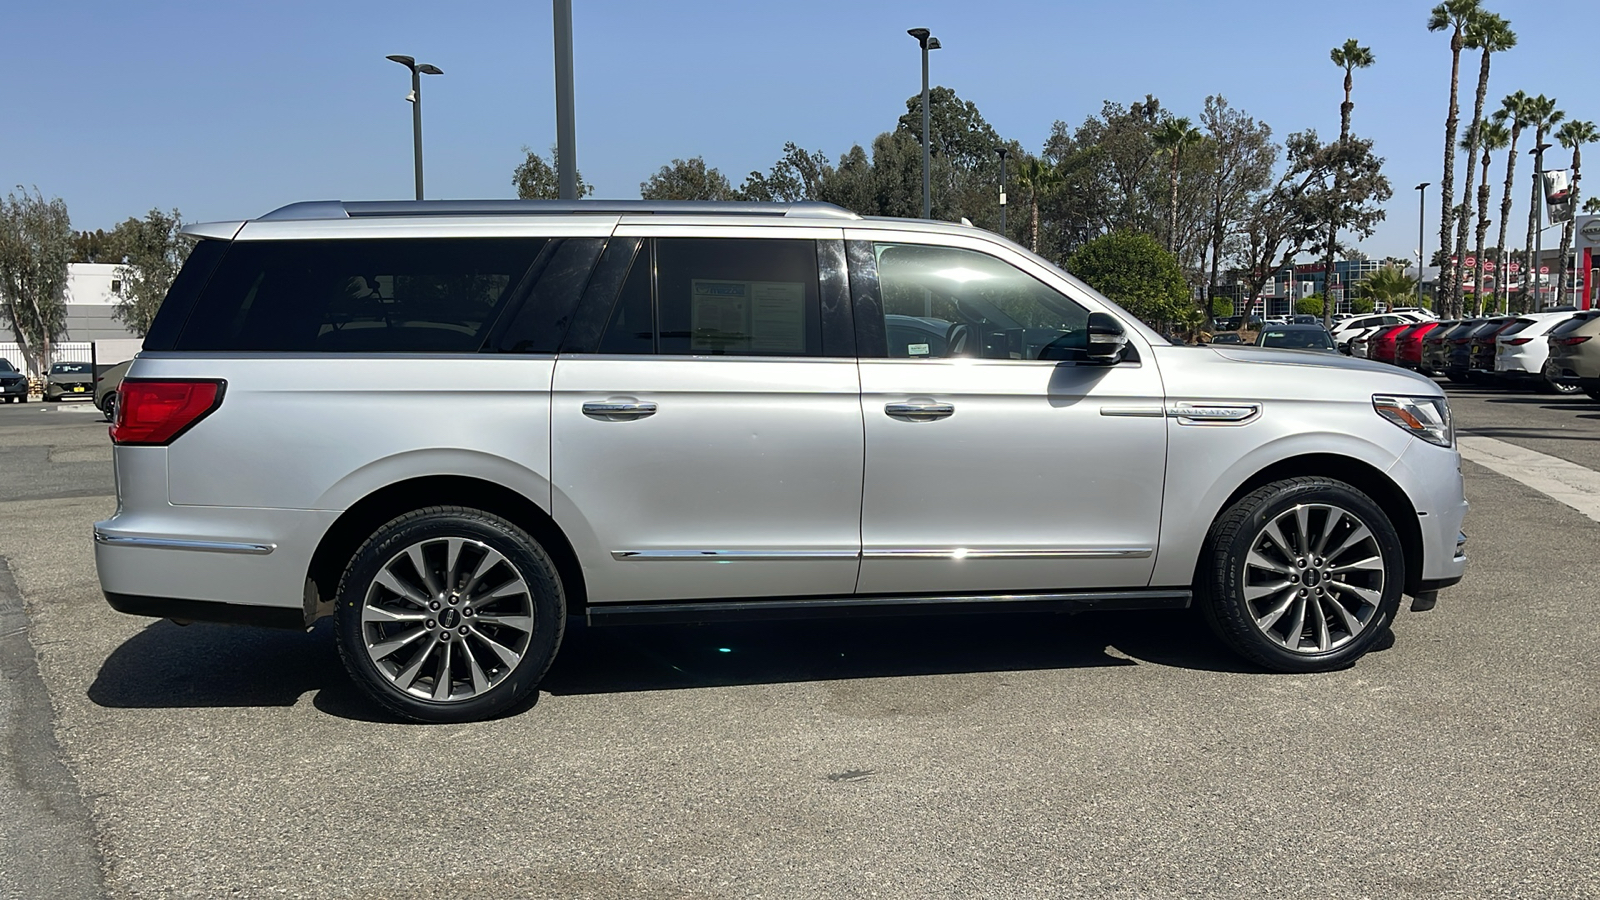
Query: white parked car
1522	350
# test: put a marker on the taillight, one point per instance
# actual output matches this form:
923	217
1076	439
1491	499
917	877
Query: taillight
1572	341
155	413
1517	342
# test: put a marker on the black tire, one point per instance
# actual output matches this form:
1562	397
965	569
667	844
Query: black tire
1222	575
1594	393
109	407
544	600
1546	386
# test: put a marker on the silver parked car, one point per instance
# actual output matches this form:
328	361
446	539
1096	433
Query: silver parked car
450	425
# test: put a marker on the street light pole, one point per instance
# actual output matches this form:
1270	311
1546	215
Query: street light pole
417	71
566	130
928	42
1004	153
1422	250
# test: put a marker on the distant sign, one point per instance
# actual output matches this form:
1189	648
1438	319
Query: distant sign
1591	229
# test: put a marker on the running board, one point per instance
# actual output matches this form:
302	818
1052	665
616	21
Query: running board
891	605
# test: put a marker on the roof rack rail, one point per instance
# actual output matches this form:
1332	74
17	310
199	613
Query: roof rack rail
335	209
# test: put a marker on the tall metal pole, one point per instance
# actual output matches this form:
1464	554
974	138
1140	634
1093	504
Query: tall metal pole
416	125
1538	234
927	148
1003	154
566	132
1422	249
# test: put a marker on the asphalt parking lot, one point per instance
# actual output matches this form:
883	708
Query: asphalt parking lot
1102	755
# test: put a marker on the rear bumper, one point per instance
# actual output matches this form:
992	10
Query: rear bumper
208	611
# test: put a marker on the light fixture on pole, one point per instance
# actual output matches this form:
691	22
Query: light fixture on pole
417	71
1422	250
1004	154
928	42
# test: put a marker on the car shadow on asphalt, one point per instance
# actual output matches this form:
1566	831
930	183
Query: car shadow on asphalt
201	665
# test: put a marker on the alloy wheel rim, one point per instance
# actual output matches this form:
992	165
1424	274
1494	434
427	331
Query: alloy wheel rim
447	619
1314	578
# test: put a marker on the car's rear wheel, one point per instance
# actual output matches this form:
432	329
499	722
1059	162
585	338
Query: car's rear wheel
1302	575
1555	387
109	406
449	614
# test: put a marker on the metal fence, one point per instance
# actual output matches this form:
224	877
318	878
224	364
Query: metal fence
67	351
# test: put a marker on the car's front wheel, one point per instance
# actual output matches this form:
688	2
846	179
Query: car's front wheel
450	614
1302	575
109	406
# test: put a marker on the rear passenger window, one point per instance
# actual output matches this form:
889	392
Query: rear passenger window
719	297
426	295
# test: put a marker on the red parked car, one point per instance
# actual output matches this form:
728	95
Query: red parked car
1381	348
1408	346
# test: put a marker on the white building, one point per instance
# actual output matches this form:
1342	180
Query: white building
92	293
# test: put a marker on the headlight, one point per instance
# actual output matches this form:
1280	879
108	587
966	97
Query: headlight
1426	417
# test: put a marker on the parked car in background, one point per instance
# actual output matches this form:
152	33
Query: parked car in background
13	384
1408	344
1480	356
1303	319
1522	350
1433	348
1227	337
1381	346
1417	312
105	392
1295	337
69	379
1344	331
1229	323
1575	354
1458	350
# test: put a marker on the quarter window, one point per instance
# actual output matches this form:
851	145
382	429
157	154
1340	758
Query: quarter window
941	302
425	295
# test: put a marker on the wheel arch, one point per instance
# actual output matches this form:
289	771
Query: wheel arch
357	523
1360	475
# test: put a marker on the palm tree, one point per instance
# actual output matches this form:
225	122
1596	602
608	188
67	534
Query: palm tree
1491	34
1172	138
1454	16
1037	177
1492	136
1389	284
1513	109
1542	116
1572	136
1350	56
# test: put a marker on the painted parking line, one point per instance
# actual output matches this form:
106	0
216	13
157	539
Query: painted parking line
1576	486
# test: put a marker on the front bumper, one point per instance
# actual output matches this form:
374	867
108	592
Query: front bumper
1431	477
15	389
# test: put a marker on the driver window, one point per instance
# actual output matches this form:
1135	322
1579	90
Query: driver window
943	302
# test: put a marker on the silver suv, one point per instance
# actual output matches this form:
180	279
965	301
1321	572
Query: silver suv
451	425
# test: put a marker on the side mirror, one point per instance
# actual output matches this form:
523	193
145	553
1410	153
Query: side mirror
1107	340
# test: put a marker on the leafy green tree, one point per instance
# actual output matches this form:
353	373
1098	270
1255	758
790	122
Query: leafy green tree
1310	306
153	251
35	246
797	175
1245	156
1453	16
1220	307
1491	34
1361	305
687	179
94	247
538	179
1390	285
1136	273
1349	56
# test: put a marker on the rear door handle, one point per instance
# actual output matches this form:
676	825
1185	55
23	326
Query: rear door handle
619	409
921	412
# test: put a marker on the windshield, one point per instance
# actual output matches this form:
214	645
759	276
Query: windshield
6	366
69	369
1297	339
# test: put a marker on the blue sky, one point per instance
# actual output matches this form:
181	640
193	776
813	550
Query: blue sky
226	110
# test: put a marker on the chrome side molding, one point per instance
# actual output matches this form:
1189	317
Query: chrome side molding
888	553
127	540
866	605
732	555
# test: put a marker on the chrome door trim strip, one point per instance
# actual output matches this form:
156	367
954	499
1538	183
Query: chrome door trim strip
954	553
123	540
732	555
1143	412
884	605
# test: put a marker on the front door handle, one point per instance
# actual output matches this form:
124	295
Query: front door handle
619	409
920	412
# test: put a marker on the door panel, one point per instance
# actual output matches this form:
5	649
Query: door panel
745	480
